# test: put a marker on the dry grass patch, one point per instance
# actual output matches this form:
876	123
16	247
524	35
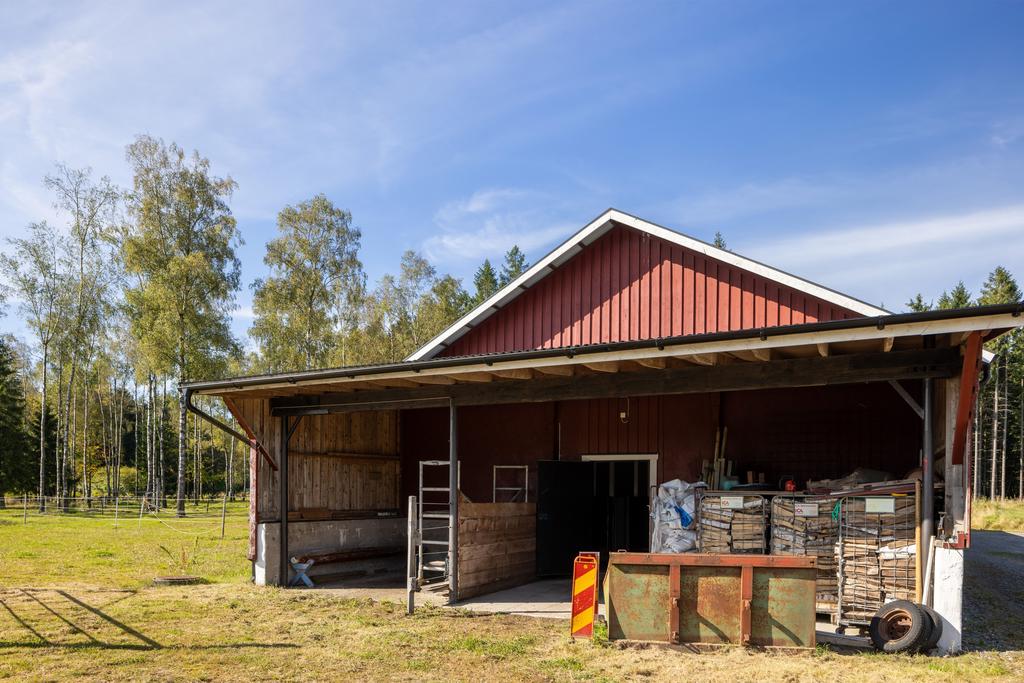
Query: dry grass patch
997	515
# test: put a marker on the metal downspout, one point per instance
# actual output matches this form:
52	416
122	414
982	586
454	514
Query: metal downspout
927	478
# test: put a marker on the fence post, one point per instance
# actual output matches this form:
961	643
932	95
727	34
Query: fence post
116	501
223	514
25	505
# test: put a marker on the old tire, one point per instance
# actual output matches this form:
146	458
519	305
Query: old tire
936	632
899	626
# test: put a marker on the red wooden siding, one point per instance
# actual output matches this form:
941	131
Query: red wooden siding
629	285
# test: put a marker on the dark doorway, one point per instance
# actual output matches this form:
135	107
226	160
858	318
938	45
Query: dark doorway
590	505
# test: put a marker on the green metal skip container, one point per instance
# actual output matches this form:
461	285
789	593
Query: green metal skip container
757	600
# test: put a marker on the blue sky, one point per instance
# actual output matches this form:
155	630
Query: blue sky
877	148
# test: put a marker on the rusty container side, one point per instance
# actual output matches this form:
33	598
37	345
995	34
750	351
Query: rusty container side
712	599
640	610
782	610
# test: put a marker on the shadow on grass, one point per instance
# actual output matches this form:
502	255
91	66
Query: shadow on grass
137	640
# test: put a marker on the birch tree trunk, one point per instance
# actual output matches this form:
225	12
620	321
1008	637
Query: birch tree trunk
42	435
182	446
160	435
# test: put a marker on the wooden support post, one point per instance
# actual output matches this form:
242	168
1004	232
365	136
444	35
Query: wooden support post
410	558
282	472
928	466
453	504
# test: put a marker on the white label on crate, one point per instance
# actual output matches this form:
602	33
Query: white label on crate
806	509
880	505
732	502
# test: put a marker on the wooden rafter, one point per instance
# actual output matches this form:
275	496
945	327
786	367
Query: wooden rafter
557	370
434	379
654	363
515	373
604	366
812	371
824	350
473	377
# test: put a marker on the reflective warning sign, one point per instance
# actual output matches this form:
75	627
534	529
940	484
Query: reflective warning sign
584	595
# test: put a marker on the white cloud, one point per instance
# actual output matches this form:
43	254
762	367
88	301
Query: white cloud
753	198
888	262
490	221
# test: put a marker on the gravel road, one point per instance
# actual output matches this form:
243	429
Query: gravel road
994	591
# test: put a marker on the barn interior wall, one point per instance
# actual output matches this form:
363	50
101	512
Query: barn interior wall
809	433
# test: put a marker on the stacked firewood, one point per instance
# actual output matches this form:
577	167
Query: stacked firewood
809	534
876	556
724	529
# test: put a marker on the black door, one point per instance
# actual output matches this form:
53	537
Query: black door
565	514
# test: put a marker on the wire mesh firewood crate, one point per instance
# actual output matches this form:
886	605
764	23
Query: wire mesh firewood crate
732	524
809	526
875	555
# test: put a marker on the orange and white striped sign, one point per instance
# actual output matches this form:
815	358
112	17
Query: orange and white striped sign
584	595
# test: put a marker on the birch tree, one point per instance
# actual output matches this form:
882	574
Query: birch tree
302	309
182	237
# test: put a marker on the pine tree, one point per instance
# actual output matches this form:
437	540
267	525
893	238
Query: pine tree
719	240
15	459
958	297
514	266
485	281
918	304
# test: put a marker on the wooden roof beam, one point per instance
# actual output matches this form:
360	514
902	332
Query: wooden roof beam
701	358
397	382
433	379
824	350
604	366
653	363
514	373
557	370
473	377
887	343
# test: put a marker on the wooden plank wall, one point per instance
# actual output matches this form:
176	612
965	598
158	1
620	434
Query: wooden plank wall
337	463
497	546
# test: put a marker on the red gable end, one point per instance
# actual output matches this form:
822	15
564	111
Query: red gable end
630	285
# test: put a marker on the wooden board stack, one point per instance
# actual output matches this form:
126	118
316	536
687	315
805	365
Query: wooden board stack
876	556
726	530
809	534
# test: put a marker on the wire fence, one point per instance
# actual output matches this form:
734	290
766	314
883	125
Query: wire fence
208	514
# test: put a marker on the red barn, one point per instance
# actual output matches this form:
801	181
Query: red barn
628	356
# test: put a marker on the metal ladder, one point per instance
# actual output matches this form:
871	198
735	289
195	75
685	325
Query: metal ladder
434	503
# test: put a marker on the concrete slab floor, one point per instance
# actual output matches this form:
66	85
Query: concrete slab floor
547	598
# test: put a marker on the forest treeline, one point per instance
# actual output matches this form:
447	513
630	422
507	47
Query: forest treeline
133	292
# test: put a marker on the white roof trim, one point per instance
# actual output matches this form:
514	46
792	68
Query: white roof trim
594	231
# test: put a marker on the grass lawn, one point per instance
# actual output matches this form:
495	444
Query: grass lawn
76	602
997	515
